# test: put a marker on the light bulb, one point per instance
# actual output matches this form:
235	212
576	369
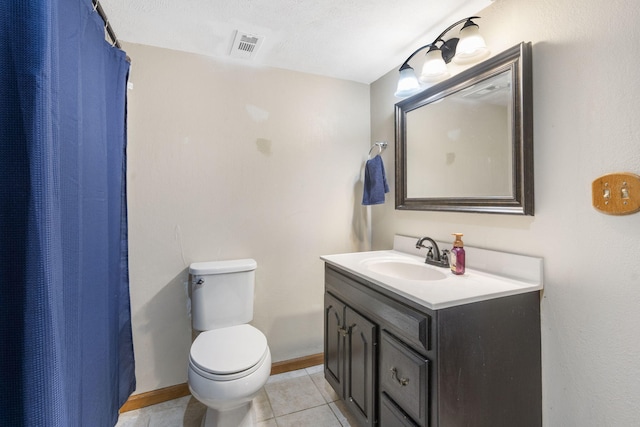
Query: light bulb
471	47
408	84
434	68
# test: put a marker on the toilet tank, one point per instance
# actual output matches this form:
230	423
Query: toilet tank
222	293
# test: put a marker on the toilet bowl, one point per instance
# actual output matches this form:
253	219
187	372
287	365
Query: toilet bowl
227	368
229	361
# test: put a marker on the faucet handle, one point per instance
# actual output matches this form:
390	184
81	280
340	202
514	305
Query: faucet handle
430	253
445	256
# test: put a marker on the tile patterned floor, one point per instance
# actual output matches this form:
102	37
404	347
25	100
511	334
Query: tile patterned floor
294	399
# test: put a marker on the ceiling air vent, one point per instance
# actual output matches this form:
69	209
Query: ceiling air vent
245	45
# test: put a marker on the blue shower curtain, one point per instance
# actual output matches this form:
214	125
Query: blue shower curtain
66	353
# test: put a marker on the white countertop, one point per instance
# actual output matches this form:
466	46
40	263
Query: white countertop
475	285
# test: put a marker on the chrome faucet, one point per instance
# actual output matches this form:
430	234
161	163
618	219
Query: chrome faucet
434	256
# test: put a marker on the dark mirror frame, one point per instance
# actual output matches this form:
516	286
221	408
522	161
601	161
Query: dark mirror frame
518	61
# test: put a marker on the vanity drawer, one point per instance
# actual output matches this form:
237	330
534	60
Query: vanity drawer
391	415
410	325
404	377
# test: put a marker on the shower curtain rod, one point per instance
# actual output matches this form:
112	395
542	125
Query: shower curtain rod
112	35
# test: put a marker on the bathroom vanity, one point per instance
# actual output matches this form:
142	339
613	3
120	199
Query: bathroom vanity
434	350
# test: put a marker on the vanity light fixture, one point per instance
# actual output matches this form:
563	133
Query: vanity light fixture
469	47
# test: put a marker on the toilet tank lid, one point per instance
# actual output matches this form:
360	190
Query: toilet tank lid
221	267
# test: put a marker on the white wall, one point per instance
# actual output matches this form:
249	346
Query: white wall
586	124
231	161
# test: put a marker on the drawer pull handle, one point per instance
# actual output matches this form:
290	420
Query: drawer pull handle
402	381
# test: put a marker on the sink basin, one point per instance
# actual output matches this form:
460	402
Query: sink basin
406	270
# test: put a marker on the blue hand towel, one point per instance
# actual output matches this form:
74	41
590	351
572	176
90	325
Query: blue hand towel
375	182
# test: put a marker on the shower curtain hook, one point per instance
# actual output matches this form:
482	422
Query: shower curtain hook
106	28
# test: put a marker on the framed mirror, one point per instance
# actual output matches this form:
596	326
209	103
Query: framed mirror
466	144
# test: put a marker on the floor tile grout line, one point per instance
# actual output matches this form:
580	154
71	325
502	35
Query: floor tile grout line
312	373
306	409
302	410
273	416
317	387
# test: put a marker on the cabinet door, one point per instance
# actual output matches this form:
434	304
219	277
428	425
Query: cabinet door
360	384
334	340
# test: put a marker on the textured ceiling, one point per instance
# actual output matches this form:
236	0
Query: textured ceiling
358	40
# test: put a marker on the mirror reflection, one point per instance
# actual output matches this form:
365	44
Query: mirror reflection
467	133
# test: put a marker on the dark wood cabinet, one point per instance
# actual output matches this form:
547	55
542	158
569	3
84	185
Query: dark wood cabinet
334	343
350	358
404	377
392	415
397	363
360	366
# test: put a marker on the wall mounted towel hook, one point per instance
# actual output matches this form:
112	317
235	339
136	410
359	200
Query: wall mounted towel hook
380	145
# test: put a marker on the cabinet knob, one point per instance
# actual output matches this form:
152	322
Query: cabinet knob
402	381
344	331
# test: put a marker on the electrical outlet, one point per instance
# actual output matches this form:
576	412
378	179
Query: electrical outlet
617	193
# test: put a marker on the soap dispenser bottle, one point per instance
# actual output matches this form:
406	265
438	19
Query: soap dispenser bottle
456	260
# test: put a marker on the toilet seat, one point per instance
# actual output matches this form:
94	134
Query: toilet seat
228	353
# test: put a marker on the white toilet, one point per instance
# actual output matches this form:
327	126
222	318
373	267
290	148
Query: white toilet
229	361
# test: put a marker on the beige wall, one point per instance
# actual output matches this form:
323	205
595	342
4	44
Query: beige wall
586	92
231	161
218	172
445	139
